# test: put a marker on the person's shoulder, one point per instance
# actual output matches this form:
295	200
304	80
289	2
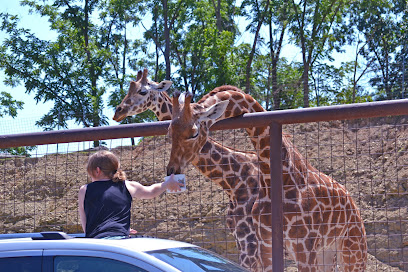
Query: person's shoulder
131	183
83	188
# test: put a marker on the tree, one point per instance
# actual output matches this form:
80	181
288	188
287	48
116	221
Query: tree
357	75
65	71
165	17
202	51
190	49
380	26
74	70
317	28
336	85
222	42
289	83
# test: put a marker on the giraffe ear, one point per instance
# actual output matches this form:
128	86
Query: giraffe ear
162	86
213	112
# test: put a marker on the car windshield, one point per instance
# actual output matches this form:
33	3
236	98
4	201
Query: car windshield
195	259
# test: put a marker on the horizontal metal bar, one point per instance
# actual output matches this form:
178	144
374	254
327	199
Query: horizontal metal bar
306	115
84	134
259	119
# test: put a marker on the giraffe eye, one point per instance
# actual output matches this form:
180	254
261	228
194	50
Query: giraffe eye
196	131
143	92
195	135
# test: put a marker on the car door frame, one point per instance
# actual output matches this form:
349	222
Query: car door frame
49	254
23	253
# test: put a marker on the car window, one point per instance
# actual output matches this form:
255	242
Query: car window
92	264
21	264
195	259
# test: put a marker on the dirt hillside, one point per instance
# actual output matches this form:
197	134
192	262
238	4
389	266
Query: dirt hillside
369	157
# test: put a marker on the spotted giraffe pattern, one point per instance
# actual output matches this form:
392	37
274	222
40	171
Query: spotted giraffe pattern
322	223
307	193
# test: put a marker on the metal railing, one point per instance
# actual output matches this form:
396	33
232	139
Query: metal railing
274	120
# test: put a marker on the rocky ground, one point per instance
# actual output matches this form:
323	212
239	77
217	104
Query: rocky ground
369	157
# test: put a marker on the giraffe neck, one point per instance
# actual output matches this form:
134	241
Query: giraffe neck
225	167
163	106
241	103
237	174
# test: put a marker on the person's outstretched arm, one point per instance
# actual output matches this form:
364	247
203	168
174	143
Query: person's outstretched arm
137	190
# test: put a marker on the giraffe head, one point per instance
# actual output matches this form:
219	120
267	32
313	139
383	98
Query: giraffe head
189	130
140	97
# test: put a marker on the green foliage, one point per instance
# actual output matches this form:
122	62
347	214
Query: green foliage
331	86
18	151
198	46
9	106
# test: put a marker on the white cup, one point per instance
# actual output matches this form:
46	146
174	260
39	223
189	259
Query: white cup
180	178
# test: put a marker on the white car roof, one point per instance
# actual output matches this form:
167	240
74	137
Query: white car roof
133	244
134	247
60	244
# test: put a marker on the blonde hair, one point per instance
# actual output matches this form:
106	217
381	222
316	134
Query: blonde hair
108	163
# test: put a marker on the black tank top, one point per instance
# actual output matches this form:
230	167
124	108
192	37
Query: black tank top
107	208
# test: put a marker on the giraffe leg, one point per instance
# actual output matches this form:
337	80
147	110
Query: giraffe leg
352	254
249	254
307	261
265	255
326	260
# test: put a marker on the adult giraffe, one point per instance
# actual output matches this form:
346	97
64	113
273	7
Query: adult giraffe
328	202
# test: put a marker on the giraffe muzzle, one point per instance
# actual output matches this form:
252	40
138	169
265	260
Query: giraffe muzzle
172	170
119	115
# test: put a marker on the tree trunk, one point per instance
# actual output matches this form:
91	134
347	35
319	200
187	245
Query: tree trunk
221	58
275	90
95	116
166	40
251	56
217	9
156	71
305	78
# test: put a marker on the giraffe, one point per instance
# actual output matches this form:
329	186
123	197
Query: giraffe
322	224
299	176
239	103
144	94
237	173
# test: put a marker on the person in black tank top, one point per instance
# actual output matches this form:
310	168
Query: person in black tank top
105	203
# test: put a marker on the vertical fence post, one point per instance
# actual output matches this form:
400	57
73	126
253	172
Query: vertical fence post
275	132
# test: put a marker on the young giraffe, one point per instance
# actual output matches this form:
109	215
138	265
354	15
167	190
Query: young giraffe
245	103
320	218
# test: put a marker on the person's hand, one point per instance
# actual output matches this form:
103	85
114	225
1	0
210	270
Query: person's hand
172	184
132	231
